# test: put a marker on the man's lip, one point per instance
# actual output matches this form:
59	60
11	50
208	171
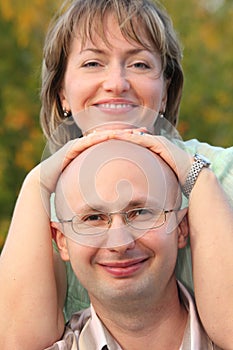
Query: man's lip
123	268
122	264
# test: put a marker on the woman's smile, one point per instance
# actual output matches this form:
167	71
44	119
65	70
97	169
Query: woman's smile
114	79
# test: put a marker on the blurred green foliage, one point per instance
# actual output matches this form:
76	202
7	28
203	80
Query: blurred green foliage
205	28
206	31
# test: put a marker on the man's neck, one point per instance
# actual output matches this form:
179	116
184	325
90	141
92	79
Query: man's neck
159	326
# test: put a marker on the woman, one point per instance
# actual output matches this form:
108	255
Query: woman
115	56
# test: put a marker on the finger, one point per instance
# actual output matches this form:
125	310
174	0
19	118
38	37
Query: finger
174	156
77	146
111	132
156	144
52	167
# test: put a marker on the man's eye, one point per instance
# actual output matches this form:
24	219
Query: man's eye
143	211
138	213
93	217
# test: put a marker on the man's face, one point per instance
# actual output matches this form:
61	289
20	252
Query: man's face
124	267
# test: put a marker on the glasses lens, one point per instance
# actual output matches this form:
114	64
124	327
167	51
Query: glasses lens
145	218
138	218
90	223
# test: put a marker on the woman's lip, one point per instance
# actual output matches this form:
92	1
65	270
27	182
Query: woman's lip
115	106
115	101
123	268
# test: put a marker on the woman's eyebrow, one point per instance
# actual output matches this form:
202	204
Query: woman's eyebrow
95	50
102	51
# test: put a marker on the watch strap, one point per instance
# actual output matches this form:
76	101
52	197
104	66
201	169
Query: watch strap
199	163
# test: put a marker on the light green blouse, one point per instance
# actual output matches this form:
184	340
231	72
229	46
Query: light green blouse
222	165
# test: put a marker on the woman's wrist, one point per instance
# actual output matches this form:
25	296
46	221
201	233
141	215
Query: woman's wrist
206	183
200	162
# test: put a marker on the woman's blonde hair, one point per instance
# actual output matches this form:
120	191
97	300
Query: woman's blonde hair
139	20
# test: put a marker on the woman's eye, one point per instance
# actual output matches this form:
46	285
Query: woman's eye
91	64
141	65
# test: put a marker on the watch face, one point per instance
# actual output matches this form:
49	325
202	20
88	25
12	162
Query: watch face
202	159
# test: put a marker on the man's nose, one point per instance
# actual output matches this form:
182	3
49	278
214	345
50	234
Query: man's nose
116	79
120	236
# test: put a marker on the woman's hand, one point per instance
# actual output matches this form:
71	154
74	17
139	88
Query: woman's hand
174	156
51	168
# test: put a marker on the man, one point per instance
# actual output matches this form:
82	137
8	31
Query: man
120	224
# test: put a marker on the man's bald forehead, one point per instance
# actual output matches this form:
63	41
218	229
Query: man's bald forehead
127	159
111	150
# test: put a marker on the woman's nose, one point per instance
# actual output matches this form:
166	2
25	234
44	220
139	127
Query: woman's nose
116	80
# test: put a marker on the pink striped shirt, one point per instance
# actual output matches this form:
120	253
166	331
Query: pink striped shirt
85	331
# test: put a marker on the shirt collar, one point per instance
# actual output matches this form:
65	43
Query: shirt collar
195	337
95	336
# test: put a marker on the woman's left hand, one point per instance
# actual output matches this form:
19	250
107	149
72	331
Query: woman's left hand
179	160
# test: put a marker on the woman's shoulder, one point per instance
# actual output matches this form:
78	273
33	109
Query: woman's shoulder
221	161
206	148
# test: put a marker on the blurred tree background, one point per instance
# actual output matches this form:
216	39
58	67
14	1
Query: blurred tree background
205	28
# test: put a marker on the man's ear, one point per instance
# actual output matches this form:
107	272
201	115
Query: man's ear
183	228
61	240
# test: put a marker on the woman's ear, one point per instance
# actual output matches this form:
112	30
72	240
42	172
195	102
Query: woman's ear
183	228
63	99
61	240
165	95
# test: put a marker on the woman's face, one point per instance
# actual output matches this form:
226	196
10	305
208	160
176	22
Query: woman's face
113	79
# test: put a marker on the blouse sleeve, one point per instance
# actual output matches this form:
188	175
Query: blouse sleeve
222	165
221	162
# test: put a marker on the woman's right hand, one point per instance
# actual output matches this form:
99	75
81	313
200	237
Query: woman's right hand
50	169
26	262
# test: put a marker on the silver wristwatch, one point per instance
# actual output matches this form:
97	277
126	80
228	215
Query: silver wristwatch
199	162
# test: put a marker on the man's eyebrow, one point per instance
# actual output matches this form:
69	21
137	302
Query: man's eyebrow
143	202
134	203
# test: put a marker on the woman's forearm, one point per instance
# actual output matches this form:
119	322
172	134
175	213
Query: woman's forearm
28	294
211	235
32	282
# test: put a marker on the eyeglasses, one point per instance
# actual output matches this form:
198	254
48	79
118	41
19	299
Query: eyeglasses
97	223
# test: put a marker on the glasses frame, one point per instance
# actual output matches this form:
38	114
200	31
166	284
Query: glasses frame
109	215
